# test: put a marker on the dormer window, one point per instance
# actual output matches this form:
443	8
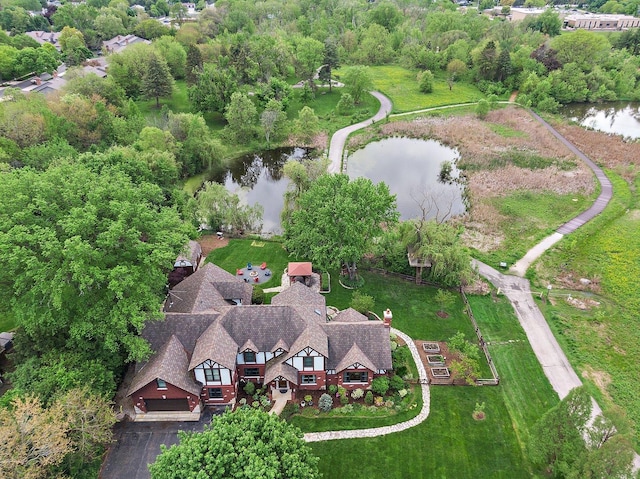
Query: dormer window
249	357
161	384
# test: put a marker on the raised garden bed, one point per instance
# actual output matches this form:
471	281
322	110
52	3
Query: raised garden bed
431	347
440	372
435	359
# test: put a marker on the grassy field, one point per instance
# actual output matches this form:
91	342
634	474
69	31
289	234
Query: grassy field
401	86
527	218
602	341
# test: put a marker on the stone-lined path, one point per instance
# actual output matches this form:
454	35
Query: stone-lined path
381	431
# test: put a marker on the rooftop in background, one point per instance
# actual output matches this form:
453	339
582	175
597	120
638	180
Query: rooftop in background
45	37
120	42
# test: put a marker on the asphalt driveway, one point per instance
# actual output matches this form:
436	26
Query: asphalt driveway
138	444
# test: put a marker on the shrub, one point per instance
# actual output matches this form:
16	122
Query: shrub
380	385
357	393
325	403
308	398
344	400
342	391
255	404
362	302
402	393
393	337
425	82
249	388
396	383
394	346
257	295
264	401
368	398
333	389
482	109
345	104
289	410
378	401
346	409
243	401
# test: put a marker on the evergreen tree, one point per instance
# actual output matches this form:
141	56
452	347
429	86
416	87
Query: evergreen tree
157	80
194	64
331	60
504	67
487	62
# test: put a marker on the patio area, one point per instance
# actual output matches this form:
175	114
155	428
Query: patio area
255	274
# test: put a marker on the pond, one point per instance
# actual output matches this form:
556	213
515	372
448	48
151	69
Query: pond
619	118
411	169
257	178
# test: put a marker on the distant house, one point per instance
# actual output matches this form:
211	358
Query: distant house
213	341
45	37
186	264
120	42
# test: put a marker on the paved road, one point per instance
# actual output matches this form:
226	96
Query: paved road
336	147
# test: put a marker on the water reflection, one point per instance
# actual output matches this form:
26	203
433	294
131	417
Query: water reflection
257	178
411	168
619	118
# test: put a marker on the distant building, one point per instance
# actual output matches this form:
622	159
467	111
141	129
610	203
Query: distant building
119	43
45	37
601	21
520	13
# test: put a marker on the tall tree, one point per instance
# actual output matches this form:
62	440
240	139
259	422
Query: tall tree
194	63
309	54
245	444
157	81
307	125
241	114
272	120
455	69
336	220
357	81
85	259
331	60
213	89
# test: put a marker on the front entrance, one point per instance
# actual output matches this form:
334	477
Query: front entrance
282	385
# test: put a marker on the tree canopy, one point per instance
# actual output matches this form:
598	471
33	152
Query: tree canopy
245	444
337	218
85	259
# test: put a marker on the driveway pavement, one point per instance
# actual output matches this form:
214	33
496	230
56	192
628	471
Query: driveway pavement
137	444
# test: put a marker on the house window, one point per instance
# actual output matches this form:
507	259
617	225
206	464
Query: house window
249	357
161	384
211	374
307	362
356	377
308	379
215	393
251	372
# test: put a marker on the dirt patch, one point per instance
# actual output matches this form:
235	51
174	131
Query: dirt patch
442	314
210	242
601	379
583	304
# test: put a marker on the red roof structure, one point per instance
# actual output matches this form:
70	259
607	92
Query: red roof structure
299	269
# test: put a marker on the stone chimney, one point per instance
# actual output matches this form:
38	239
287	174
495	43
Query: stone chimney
387	318
38	81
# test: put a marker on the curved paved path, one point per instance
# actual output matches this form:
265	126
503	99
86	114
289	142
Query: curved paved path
336	147
381	431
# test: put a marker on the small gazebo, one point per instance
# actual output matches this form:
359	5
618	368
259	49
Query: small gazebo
299	272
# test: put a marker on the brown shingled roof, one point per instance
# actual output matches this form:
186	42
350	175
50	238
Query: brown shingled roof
170	365
215	344
350	316
353	356
372	338
275	369
208	289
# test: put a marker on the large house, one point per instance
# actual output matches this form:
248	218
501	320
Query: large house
213	341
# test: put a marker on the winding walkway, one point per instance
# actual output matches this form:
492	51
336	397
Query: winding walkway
336	146
381	431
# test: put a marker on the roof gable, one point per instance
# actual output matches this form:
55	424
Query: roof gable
170	365
371	338
299	269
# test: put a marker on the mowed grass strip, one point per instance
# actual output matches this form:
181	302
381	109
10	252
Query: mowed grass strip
526	392
401	86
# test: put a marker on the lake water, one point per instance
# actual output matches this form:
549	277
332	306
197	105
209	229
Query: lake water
411	169
257	178
619	118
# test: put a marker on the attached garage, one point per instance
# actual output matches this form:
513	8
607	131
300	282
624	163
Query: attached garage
167	404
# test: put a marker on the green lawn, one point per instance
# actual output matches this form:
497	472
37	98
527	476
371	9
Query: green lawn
239	252
401	86
528	218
